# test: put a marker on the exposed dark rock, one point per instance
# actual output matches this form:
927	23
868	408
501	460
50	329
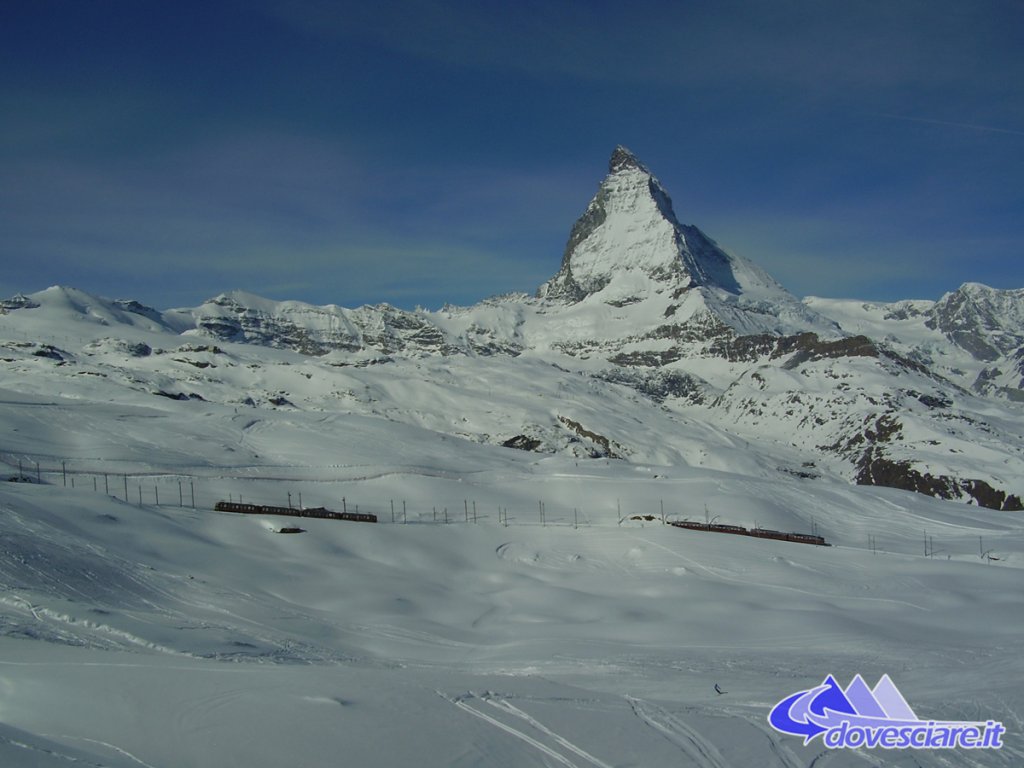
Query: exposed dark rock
600	440
934	401
903	312
123	346
808	347
213	349
622	158
805	347
51	352
659	384
704	327
649	359
137	308
746	349
194	363
875	469
620	303
523	443
19	301
179	395
886	429
803	474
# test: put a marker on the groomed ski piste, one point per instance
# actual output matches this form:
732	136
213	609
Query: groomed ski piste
168	636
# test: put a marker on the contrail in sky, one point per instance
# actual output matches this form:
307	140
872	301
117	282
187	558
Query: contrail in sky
972	126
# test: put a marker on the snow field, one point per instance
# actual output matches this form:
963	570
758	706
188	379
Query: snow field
207	636
161	635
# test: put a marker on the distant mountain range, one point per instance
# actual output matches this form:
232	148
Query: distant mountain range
646	319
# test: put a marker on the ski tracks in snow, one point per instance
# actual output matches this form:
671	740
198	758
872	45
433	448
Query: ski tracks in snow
112	747
507	717
701	751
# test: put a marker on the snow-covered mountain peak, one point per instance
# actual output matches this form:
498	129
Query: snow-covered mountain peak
629	248
629	226
987	322
623	158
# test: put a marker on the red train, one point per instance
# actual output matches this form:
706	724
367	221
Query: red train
318	512
760	533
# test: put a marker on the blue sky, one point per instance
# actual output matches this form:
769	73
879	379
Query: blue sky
427	152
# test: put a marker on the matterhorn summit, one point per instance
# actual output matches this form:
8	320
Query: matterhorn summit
628	248
629	229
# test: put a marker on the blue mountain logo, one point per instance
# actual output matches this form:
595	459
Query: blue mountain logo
859	716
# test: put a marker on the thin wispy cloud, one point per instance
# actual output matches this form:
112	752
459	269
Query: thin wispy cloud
793	43
953	124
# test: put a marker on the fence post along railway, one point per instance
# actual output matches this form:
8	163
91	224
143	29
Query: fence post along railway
141	488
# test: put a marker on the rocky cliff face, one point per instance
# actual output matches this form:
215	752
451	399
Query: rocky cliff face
986	322
313	330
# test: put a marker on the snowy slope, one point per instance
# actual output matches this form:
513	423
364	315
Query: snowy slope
588	640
